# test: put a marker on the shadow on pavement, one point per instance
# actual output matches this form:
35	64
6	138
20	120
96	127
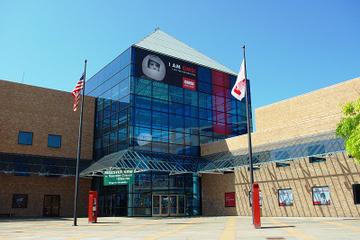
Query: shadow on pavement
270	227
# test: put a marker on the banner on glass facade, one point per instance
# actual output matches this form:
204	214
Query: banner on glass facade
118	177
165	69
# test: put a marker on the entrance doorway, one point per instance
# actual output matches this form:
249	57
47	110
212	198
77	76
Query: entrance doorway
168	205
51	206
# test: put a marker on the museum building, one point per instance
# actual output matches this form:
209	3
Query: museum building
163	112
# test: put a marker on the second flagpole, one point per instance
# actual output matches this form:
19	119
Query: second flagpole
248	123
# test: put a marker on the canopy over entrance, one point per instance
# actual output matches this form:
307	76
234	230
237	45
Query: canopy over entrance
140	161
307	146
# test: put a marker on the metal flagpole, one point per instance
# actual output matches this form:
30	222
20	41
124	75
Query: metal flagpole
79	150
247	96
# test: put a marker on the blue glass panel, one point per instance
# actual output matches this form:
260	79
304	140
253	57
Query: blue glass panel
160	147
204	74
160	90
122	117
124	102
190	111
190	97
176	108
205	100
191	125
176	123
114	120
176	137
142	87
206	114
160	105
54	141
205	127
176	94
176	149
160	135
204	87
160	120
122	134
142	102
142	117
109	70
142	134
113	138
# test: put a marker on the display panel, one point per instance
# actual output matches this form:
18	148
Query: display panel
321	195
230	199
285	197
164	69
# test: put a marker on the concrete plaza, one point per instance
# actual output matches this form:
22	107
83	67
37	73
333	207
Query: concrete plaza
180	228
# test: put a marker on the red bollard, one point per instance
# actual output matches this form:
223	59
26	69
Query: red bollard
256	205
93	207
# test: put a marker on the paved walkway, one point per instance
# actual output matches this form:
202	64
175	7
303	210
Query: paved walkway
180	228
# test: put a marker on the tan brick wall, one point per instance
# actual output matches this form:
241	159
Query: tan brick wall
38	186
43	111
338	173
308	114
214	187
311	113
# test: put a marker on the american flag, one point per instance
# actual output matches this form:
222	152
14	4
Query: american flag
77	92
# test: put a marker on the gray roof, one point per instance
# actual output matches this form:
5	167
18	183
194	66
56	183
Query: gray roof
163	43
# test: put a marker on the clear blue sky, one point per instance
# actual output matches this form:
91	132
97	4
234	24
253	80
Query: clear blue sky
293	47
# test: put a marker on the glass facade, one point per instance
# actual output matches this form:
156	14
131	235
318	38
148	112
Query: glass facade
175	111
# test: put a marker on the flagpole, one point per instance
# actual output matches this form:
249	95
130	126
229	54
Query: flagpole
247	97
79	150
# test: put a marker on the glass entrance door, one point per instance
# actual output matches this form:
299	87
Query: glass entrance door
168	205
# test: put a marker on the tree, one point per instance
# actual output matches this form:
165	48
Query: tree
349	128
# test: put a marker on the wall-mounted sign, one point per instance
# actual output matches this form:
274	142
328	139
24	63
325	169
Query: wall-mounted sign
321	195
230	199
118	177
165	69
285	197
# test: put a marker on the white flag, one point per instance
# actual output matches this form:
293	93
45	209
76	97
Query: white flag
238	90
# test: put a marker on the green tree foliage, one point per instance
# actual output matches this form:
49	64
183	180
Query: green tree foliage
349	128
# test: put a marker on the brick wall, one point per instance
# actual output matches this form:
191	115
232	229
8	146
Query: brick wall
38	186
338	173
43	111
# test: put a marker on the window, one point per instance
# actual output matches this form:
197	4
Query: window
54	141
316	159
321	195
282	164
356	192
285	197
19	201
25	138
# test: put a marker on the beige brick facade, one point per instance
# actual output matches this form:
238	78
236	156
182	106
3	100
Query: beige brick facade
42	111
312	113
36	187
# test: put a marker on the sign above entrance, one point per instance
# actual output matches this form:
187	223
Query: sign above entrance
118	177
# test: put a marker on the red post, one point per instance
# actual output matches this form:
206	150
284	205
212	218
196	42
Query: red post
93	207
256	205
